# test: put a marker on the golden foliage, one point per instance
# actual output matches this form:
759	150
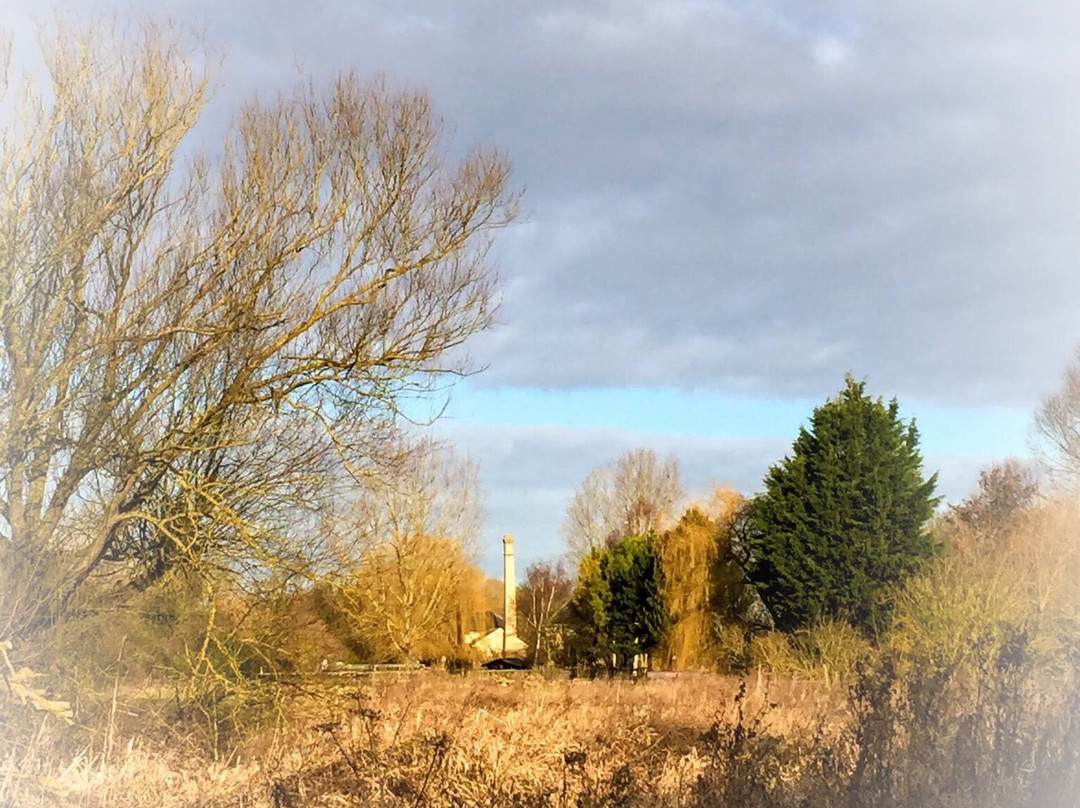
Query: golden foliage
409	585
1030	579
688	554
723	506
404	598
702	585
829	651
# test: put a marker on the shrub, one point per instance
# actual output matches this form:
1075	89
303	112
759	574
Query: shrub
830	651
1027	583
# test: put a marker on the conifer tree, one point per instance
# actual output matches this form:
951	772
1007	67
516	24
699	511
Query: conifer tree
637	614
844	516
620	598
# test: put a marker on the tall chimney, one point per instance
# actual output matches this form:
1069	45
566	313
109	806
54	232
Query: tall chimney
509	591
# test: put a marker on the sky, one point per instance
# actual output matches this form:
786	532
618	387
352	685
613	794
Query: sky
727	207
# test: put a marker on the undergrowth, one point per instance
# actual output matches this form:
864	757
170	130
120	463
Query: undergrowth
1000	732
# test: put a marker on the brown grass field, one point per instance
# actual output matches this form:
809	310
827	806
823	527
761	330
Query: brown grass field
431	739
435	739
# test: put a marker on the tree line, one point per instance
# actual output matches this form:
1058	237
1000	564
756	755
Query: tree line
842	520
843	544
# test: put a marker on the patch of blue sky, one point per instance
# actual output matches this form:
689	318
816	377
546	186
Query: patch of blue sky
944	429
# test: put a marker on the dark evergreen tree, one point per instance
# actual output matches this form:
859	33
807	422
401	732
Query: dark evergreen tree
637	613
619	598
587	643
844	516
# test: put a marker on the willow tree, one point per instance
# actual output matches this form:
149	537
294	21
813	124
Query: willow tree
706	588
689	554
192	345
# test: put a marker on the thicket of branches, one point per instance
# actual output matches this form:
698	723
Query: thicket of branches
630	496
199	345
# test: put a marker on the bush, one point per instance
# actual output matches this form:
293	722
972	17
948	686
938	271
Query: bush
732	648
1028	583
830	652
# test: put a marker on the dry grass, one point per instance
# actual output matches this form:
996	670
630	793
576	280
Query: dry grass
441	740
703	741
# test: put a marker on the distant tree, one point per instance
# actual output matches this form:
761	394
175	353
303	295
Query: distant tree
844	516
620	599
630	497
723	505
412	538
1005	494
541	599
1056	429
736	599
637	614
689	554
584	643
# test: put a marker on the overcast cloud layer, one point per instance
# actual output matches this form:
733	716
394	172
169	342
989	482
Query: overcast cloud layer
751	197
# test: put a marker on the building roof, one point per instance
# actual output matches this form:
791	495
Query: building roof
490	645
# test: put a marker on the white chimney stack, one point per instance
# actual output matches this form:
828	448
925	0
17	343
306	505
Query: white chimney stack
509	591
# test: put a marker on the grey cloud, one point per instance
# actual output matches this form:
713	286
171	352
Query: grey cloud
753	195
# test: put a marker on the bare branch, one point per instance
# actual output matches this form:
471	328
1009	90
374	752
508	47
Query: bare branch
194	351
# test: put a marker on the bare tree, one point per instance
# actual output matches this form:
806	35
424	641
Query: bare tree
1005	497
629	497
1056	429
193	347
415	532
542	597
